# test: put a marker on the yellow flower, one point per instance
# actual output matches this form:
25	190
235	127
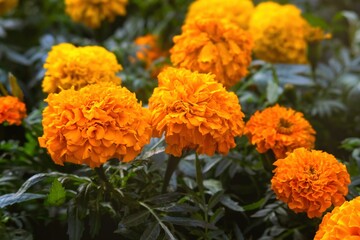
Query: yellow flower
281	34
342	222
195	112
239	12
93	12
215	46
94	124
279	129
7	5
68	66
12	110
310	181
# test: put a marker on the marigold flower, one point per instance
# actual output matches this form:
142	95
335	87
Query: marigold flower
215	46
239	12
7	5
279	129
93	12
281	34
310	181
12	110
195	112
68	66
343	222
94	124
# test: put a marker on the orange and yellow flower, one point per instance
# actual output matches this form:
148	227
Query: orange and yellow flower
343	222
238	12
93	12
310	181
195	112
68	66
215	46
279	129
281	34
94	124
12	110
7	5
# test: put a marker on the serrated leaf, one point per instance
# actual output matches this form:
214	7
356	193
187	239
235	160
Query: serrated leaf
213	185
228	202
273	92
57	194
75	225
188	222
151	232
12	198
14	87
135	219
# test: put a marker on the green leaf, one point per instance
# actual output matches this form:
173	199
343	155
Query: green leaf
228	202
135	219
188	222
14	86
213	185
151	232
273	92
75	225
57	194
12	198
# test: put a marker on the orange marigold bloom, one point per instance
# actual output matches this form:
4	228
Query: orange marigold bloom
12	110
7	5
239	12
93	12
195	112
215	46
148	49
279	129
281	34
343	222
68	66
310	181
94	124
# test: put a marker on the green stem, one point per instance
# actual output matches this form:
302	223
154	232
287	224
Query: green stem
172	164
200	183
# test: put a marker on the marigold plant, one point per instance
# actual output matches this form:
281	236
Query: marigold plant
94	124
281	34
210	45
7	5
310	181
239	12
68	66
93	12
195	112
343	222
12	110
279	129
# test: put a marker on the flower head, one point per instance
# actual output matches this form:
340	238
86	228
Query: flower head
279	129
94	124
310	181
195	112
7	5
281	34
239	12
93	12
68	66
343	222
12	110
215	46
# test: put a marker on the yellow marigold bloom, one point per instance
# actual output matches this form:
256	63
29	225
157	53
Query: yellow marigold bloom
7	5
195	112
93	12
215	46
12	110
343	222
310	181
279	129
68	66
281	34
94	124
239	12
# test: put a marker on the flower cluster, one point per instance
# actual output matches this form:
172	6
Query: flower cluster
343	222
93	12
68	66
12	110
7	5
310	181
92	125
195	112
215	46
279	129
239	12
281	34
